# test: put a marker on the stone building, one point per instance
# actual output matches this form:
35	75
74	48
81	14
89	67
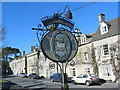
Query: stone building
95	51
33	62
98	53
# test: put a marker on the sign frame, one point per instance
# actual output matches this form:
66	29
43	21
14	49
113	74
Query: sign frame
48	46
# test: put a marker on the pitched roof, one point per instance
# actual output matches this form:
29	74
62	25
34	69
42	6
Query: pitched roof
113	29
88	35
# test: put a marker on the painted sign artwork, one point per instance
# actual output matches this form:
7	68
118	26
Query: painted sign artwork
59	46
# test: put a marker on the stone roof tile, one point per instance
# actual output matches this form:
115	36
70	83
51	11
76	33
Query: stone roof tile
113	27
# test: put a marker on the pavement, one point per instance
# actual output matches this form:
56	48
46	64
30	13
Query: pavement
107	86
39	85
22	84
14	86
8	85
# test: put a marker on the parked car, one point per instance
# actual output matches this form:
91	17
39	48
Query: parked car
87	79
22	75
42	77
69	79
33	76
102	81
56	77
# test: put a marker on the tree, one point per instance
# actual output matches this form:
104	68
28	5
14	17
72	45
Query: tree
8	51
15	51
115	59
5	66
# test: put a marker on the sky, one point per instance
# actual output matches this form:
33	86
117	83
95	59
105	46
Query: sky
58	0
20	17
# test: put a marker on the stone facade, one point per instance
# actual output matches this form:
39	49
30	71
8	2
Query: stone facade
94	53
34	62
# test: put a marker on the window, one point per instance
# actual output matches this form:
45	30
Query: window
72	71
85	76
106	71
87	70
104	28
105	49
86	56
15	65
80	76
83	39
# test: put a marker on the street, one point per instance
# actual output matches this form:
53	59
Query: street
46	84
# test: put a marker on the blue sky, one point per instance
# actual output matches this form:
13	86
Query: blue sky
19	18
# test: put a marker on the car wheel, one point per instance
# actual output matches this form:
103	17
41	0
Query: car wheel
51	80
87	83
73	82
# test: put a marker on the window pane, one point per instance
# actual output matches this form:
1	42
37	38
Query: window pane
106	70
73	72
85	76
86	56
105	49
87	70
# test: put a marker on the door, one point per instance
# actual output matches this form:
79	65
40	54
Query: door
85	78
79	79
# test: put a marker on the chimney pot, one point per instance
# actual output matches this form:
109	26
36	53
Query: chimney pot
101	18
23	53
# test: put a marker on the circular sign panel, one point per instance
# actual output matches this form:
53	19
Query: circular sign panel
59	46
72	63
52	65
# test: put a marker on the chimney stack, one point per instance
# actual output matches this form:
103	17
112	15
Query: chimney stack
101	18
32	48
23	53
77	32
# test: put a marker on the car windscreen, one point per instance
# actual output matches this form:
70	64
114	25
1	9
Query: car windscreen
33	74
93	76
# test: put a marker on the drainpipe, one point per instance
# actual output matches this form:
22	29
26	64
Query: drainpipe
38	54
25	64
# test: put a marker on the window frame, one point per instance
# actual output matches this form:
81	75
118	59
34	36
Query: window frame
104	28
105	50
83	39
106	70
87	70
73	71
86	56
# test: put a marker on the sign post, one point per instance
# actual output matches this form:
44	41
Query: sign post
58	44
